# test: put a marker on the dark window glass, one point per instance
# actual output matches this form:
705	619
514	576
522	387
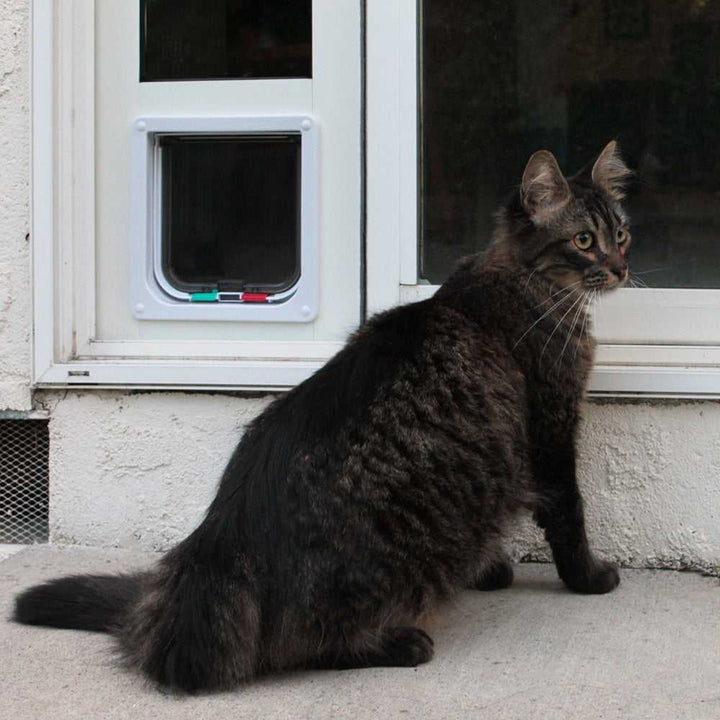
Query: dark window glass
214	39
231	212
503	78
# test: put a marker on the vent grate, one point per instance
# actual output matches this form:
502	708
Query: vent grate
24	478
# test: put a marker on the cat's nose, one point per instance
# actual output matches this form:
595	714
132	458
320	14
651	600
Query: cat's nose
620	272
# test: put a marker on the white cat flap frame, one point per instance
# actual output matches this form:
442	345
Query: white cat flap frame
153	296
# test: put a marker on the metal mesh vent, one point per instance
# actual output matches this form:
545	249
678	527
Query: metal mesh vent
24	448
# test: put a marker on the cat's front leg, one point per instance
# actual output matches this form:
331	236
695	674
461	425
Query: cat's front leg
496	575
560	513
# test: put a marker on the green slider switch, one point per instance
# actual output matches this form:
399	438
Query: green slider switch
204	296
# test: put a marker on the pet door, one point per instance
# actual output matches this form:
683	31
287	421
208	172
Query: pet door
225	219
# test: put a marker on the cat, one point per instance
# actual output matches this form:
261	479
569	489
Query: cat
373	492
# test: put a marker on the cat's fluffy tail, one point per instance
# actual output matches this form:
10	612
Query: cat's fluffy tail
79	602
184	625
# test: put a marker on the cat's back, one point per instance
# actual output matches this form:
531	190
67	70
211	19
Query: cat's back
495	296
449	351
314	415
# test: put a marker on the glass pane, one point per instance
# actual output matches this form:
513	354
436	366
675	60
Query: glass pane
503	78
206	39
231	212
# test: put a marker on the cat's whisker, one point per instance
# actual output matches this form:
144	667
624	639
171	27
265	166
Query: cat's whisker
529	279
584	324
545	314
576	317
567	289
638	282
653	270
642	285
567	312
585	329
586	311
579	303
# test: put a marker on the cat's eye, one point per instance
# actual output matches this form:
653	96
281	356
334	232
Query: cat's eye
584	240
622	237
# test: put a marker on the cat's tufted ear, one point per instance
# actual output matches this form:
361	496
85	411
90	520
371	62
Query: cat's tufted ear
544	189
610	172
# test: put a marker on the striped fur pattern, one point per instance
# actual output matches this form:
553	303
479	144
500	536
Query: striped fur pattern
362	500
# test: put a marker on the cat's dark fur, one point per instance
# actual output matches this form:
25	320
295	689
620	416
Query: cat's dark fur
380	487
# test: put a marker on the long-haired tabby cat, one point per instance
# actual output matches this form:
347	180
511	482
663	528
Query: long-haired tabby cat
380	487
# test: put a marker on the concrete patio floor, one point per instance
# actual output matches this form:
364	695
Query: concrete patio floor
649	650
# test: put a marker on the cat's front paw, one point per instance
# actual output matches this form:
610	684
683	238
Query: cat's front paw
407	647
596	579
495	577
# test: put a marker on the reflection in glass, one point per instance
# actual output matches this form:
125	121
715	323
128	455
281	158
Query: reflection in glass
214	39
503	78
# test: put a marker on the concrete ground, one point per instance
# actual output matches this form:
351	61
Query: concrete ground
649	650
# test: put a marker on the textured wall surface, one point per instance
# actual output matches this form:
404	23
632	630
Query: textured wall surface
15	297
139	470
650	475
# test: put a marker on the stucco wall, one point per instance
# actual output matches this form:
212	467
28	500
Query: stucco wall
15	296
139	470
650	474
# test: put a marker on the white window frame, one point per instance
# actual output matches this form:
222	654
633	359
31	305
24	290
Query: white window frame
66	351
665	343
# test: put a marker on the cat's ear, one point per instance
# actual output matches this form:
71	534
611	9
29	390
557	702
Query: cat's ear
610	172
544	189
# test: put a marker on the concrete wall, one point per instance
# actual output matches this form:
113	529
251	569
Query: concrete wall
15	296
650	475
138	469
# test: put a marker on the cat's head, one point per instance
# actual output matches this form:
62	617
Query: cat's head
572	230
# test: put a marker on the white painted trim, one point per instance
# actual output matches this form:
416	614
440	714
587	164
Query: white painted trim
660	382
75	176
680	383
64	137
84	185
678	316
677	356
408	145
314	350
238	374
414	293
148	372
383	120
42	184
63	179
